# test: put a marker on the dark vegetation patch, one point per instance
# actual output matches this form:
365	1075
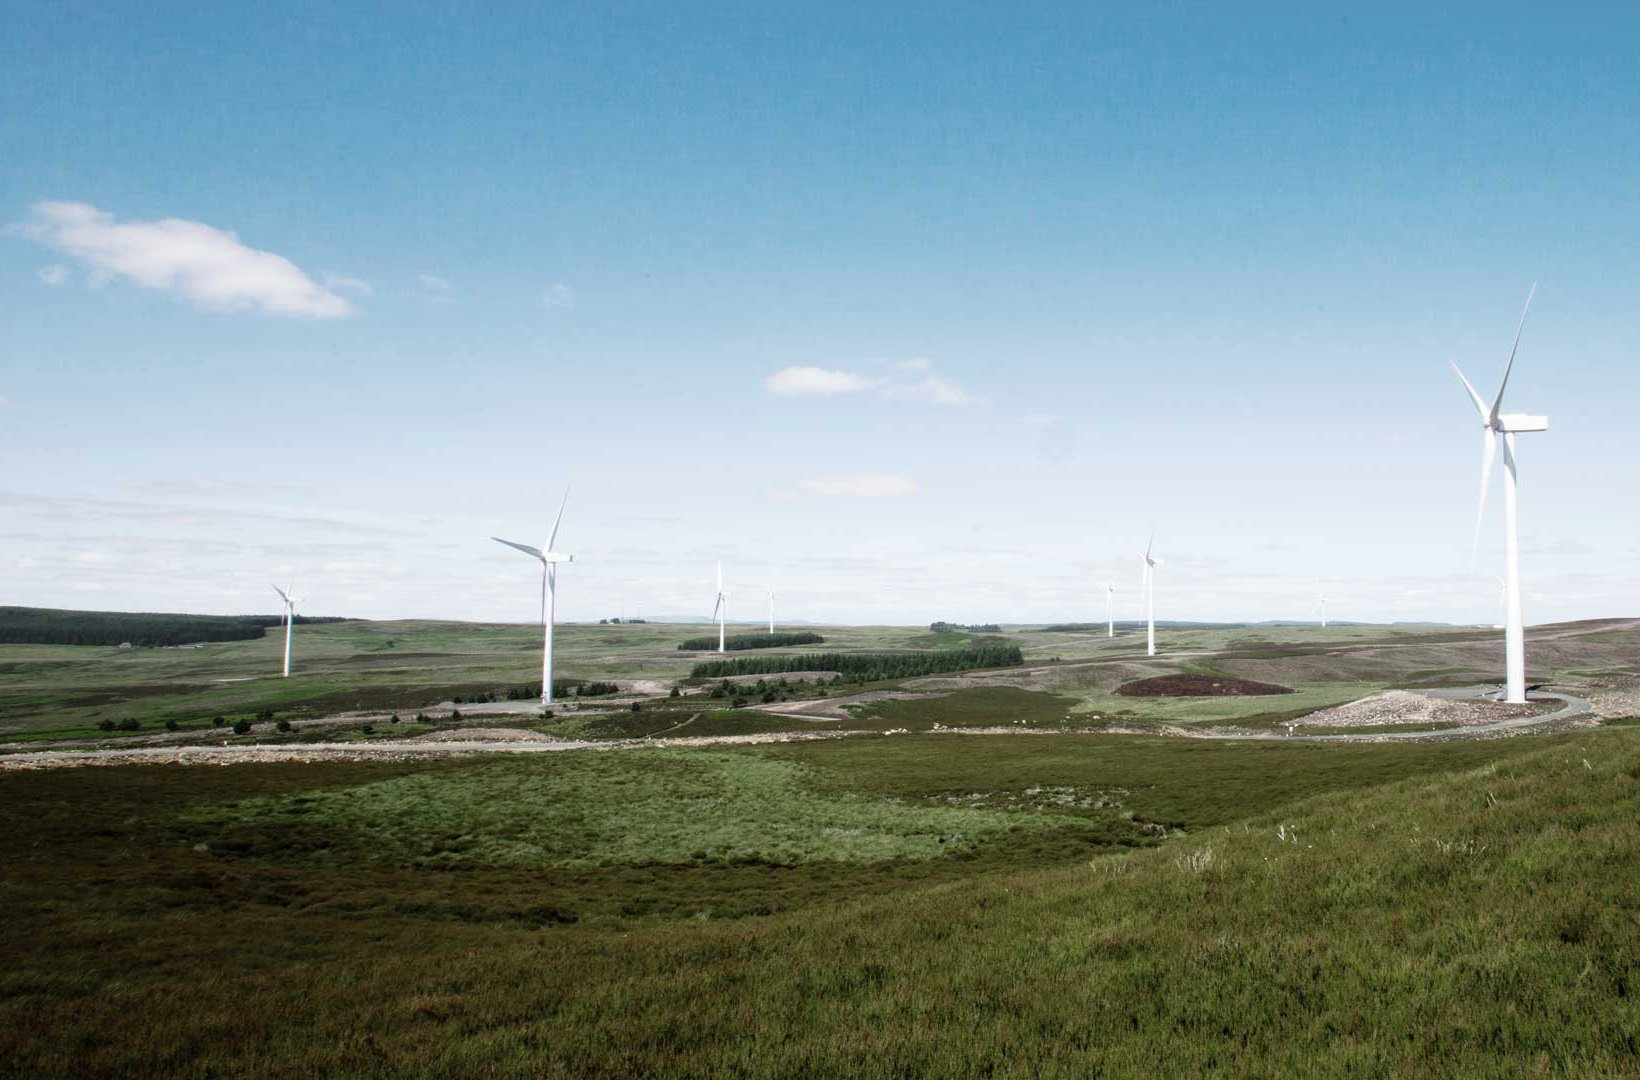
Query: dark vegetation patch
53	626
868	666
978	707
741	642
1199	685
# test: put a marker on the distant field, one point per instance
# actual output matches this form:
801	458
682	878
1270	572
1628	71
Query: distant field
56	691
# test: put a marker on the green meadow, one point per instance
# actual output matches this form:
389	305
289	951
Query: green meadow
1032	904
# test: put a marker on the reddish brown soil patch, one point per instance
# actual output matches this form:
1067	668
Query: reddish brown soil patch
1200	686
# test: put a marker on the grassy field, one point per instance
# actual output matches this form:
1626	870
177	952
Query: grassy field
56	692
1032	904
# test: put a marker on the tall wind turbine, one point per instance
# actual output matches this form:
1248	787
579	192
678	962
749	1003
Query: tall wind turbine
289	598
549	592
1321	606
771	609
720	609
1503	427
1148	581
1110	609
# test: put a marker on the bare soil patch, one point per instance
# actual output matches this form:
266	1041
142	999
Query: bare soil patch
1200	686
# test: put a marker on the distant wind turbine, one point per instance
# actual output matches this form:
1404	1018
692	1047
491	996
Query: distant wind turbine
720	609
1110	609
1503	427
549	592
1148	581
289	598
771	609
1321	606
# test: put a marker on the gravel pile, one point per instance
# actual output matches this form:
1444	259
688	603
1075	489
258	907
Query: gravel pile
1411	707
1616	697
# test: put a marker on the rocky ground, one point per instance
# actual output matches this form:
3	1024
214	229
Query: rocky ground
1412	707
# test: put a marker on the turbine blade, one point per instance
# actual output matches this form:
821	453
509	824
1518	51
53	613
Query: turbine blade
1150	543
1489	452
282	594
1497	402
553	538
717	607
1474	395
525	548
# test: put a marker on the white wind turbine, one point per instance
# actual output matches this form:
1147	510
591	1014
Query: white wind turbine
771	609
1148	582
549	592
1503	427
1110	609
1321	606
290	599
720	609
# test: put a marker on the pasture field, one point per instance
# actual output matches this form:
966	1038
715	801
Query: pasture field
52	692
1062	905
967	874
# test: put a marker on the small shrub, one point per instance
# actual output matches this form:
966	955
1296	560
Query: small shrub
637	706
455	714
105	725
395	719
420	719
738	703
283	725
241	727
217	721
171	723
675	692
129	724
265	714
546	714
368	729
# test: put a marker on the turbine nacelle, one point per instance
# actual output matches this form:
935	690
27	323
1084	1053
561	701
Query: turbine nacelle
1510	423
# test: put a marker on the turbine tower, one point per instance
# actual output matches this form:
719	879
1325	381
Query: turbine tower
771	609
289	598
1110	609
549	593
720	609
1148	581
1321	606
1502	427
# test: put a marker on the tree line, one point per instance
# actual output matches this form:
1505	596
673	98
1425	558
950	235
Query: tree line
740	642
867	666
54	626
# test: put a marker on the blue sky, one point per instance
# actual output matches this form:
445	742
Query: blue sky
1065	275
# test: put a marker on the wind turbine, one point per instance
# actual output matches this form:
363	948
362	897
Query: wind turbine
1110	609
549	592
771	609
1148	582
720	609
289	598
1503	427
1321	606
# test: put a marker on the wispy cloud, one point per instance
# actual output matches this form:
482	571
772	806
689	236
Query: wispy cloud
909	380
558	296
436	288
798	381
861	485
54	275
349	284
190	259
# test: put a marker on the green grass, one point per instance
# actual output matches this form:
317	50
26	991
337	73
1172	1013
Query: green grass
599	809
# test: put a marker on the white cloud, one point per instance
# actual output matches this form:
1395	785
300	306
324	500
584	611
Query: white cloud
5	402
54	275
436	287
861	485
349	284
794	381
187	258
558	295
913	380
